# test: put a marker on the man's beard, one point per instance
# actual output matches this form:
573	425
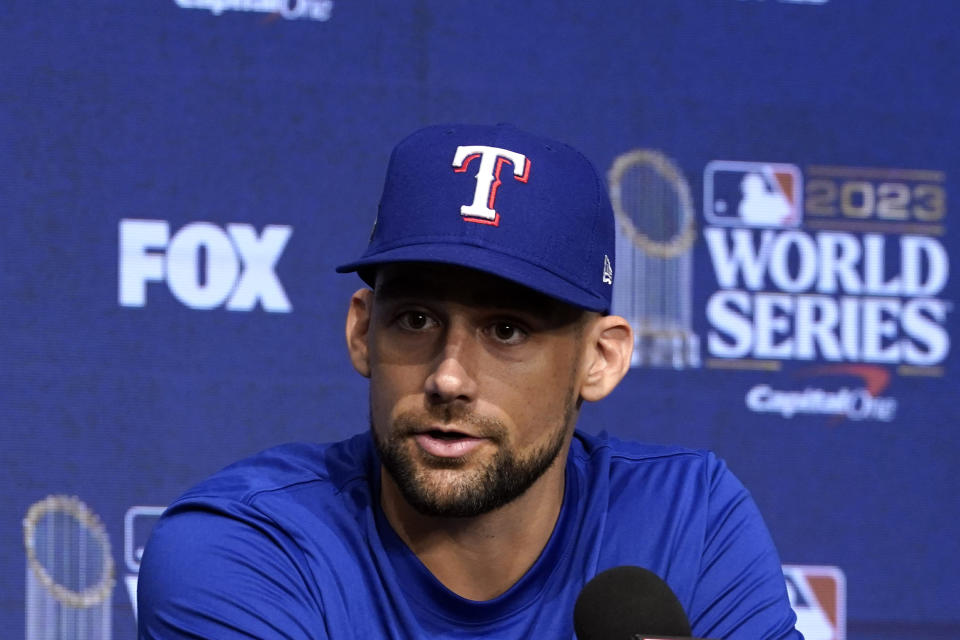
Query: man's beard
474	491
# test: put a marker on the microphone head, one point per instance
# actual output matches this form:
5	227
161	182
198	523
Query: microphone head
627	602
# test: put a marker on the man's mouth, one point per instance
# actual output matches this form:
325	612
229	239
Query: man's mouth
447	444
447	435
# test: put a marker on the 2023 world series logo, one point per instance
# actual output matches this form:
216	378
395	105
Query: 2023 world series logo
857	284
839	268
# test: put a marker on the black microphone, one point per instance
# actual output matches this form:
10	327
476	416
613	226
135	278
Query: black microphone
629	603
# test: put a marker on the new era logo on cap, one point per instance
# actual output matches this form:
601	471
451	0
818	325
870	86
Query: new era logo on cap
488	178
544	216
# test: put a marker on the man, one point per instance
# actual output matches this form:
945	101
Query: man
472	508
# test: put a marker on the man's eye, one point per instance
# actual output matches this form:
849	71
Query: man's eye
415	321
508	332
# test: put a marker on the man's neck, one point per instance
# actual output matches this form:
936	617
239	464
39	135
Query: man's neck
481	557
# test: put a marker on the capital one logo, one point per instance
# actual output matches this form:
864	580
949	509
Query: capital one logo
488	178
203	265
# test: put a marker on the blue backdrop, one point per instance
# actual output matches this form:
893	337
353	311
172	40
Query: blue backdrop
178	179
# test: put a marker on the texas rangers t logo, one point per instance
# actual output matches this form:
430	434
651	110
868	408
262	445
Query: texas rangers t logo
488	178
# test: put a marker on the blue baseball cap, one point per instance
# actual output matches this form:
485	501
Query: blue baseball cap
499	200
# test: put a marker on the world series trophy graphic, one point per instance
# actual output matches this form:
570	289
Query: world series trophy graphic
652	287
70	572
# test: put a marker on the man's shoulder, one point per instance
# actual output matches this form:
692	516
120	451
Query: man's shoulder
625	469
605	449
278	526
287	468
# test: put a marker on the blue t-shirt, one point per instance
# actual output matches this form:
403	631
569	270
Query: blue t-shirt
292	543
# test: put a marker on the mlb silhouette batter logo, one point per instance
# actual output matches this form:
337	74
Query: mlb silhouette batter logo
491	161
818	595
752	194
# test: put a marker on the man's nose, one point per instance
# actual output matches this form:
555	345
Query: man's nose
454	376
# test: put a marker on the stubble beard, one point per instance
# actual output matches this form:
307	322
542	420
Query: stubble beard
467	493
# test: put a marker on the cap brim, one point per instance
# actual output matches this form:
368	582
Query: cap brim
487	260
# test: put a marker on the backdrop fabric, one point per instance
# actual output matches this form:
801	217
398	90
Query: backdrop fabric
179	178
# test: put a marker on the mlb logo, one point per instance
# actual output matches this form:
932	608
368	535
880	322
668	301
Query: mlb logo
752	194
818	596
137	525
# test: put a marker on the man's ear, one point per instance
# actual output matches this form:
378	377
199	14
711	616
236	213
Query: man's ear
358	330
609	345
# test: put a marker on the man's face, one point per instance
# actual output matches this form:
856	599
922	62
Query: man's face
474	385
